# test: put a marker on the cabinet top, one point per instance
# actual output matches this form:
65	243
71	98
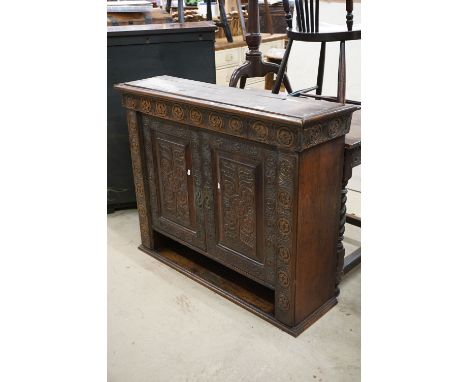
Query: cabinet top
289	122
147	29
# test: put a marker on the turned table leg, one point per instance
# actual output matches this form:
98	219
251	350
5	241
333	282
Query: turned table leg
352	158
340	249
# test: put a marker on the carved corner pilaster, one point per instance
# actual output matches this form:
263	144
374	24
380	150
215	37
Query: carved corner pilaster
285	266
142	196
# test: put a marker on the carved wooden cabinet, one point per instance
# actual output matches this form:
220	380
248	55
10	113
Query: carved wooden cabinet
240	190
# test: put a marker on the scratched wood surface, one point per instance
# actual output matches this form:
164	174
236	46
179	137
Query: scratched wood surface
260	101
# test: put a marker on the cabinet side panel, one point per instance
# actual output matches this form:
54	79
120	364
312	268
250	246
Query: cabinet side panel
320	172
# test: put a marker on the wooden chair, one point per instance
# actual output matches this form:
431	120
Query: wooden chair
309	29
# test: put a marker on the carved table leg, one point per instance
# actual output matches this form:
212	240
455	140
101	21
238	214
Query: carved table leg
255	67
352	158
340	249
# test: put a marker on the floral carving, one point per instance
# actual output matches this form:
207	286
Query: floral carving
134	136
235	125
174	193
161	109
238	205
285	171
285	137
334	128
178	112
283	302
260	131
284	254
284	199
196	116
313	135
215	121
145	105
285	265
284	226
283	279
129	102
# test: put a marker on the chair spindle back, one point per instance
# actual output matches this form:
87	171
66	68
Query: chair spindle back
349	15
307	15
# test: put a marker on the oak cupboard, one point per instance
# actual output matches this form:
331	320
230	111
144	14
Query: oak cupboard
240	190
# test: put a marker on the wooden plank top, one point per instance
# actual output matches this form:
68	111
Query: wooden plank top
131	30
255	102
221	44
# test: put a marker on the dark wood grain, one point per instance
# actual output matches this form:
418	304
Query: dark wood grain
320	173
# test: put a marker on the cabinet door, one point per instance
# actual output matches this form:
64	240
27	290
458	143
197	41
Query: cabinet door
240	194
173	163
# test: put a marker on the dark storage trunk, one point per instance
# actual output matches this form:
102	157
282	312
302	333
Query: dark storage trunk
142	51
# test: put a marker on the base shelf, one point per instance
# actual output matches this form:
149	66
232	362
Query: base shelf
250	295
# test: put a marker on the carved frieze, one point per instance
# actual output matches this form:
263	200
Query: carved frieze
325	131
286	137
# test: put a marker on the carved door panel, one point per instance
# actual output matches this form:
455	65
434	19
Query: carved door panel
240	181
173	162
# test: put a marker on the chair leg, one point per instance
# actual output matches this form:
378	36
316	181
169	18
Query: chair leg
180	10
321	68
209	15
224	22
341	93
241	18
287	84
282	69
269	21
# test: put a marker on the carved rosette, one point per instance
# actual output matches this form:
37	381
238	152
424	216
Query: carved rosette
215	121
146	105
260	131
137	164
284	309
196	116
178	113
235	125
161	109
285	136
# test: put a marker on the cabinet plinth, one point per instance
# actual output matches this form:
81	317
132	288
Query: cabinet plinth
240	190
